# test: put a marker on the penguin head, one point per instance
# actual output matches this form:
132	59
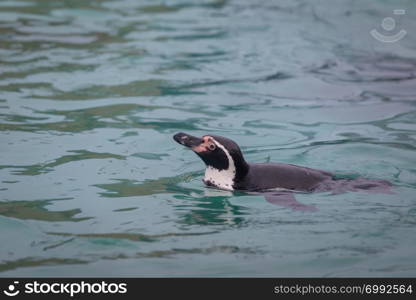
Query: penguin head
222	156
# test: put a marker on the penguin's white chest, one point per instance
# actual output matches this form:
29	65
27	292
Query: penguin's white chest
223	179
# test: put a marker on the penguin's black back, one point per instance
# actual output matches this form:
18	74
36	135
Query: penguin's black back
265	176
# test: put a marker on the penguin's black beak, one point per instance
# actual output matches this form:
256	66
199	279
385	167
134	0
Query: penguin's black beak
187	140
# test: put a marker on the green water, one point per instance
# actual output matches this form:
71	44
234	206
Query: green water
91	92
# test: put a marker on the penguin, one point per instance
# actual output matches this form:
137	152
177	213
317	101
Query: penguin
227	169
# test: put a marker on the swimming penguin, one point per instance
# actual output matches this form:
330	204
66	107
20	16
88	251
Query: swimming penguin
227	169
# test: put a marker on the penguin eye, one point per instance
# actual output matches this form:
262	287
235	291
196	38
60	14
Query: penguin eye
212	146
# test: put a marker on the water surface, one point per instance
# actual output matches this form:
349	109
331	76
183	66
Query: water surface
91	92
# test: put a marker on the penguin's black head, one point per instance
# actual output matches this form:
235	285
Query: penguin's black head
217	152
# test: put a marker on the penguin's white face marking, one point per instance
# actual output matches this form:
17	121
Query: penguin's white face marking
223	179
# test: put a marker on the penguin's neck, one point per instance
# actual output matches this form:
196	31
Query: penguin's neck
222	179
226	179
